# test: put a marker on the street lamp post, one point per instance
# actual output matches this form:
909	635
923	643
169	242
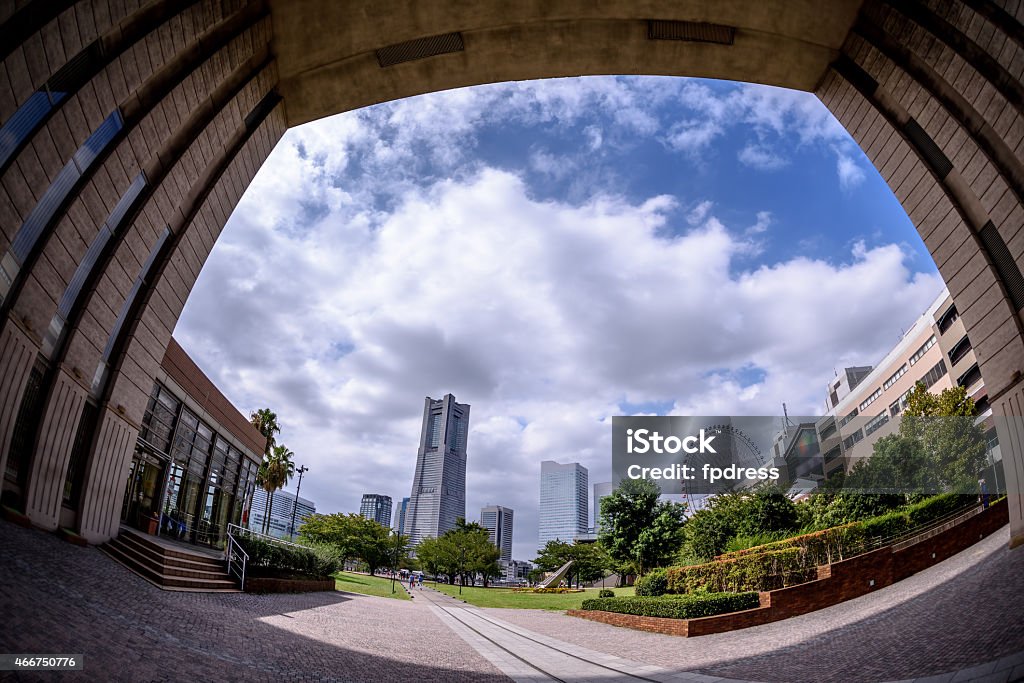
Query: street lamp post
295	504
394	562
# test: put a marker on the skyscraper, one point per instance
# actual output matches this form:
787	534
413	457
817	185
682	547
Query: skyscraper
563	501
601	490
282	506
498	521
376	507
438	495
400	515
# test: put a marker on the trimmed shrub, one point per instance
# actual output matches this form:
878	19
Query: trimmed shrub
751	572
795	560
315	559
676	606
653	583
606	593
819	547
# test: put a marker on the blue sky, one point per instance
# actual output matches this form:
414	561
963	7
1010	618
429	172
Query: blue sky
553	253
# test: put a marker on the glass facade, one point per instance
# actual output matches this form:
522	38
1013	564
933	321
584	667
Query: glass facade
187	482
564	492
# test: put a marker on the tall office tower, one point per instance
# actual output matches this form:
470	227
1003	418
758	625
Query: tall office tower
563	501
283	507
400	515
438	495
498	521
601	490
376	507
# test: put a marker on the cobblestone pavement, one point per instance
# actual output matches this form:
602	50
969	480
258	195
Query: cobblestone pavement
58	598
962	612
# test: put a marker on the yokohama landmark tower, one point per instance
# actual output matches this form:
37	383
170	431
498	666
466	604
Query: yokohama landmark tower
438	495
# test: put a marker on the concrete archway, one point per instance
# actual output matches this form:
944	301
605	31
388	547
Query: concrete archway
130	133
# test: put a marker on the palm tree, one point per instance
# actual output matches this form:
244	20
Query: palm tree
265	421
277	470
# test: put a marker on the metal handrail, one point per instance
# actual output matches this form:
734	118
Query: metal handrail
242	531
234	545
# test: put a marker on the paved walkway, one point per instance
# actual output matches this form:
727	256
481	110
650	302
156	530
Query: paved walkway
964	612
57	598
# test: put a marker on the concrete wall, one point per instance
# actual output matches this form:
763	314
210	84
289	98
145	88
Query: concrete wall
100	244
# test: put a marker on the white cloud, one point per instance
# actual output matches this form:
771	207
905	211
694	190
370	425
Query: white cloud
762	158
851	175
699	213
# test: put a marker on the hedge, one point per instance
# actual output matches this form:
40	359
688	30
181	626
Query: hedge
904	520
795	560
754	572
836	543
820	547
652	584
317	560
676	606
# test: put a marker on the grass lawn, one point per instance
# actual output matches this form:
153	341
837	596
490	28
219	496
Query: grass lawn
368	585
504	597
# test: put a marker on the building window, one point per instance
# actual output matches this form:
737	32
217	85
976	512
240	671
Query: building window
948	318
870	399
833	454
875	423
846	420
934	375
970	377
434	435
852	439
959	350
158	422
896	375
829	431
919	354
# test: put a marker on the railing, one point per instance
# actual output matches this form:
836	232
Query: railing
236	555
234	529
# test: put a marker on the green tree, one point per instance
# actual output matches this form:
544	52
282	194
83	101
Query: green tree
356	537
274	474
638	528
265	421
944	424
461	552
590	561
768	510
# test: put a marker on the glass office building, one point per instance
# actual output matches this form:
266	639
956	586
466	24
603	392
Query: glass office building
563	502
194	467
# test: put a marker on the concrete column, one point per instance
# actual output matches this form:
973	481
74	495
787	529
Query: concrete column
105	478
17	352
49	466
1009	412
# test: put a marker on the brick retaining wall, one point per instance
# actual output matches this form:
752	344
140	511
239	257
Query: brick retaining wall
837	582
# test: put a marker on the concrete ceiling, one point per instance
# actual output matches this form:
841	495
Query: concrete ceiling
326	49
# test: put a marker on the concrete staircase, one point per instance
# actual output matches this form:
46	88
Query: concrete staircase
170	567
